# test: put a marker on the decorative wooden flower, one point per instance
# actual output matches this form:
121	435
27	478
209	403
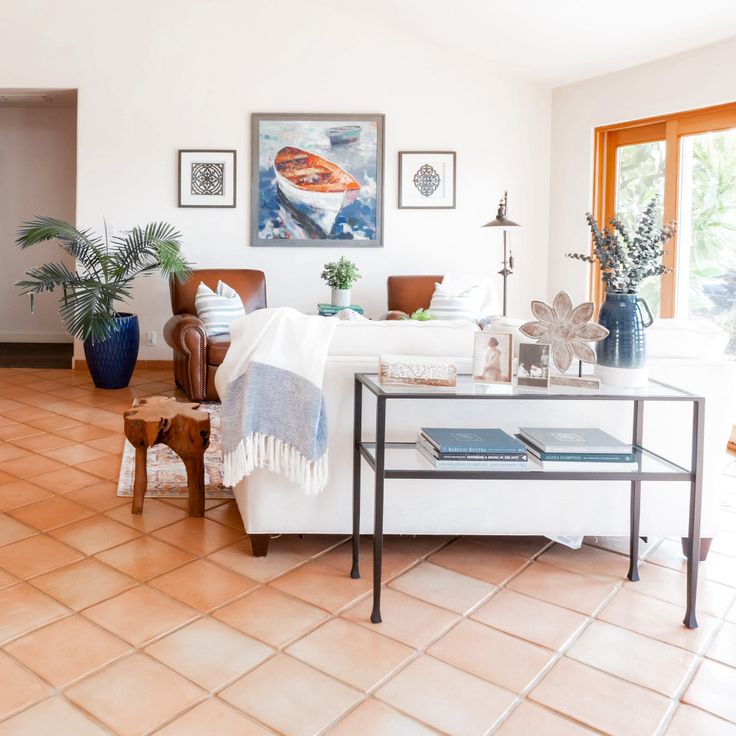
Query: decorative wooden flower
567	330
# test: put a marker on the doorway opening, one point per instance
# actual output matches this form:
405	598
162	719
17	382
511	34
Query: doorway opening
38	176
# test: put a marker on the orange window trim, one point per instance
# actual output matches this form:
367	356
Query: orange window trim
669	128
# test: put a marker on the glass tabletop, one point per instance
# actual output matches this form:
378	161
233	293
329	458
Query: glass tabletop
402	458
467	388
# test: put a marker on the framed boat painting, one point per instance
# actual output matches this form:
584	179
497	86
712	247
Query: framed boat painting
316	180
427	180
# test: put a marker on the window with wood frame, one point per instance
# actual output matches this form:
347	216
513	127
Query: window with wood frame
688	161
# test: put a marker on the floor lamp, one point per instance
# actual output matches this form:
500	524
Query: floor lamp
508	258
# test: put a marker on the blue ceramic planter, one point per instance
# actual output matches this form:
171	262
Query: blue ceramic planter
111	362
625	346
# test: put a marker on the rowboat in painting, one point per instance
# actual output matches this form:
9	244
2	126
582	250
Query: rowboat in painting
313	184
343	134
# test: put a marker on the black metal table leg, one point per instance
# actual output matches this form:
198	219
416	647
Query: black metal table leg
378	508
633	573
696	494
357	436
636	439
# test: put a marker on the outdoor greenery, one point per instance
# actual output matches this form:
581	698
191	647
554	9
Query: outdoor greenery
639	180
340	274
626	259
104	272
707	233
712	190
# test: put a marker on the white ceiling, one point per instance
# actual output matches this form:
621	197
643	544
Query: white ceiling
557	42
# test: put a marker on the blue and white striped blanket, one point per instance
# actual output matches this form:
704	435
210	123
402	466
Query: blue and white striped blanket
273	408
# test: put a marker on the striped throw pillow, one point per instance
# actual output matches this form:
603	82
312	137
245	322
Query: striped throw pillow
218	309
462	305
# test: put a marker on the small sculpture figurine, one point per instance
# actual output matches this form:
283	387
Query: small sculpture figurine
568	330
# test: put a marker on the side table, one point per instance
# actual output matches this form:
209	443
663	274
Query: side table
402	460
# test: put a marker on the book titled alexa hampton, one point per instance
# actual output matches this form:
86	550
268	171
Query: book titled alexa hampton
574	440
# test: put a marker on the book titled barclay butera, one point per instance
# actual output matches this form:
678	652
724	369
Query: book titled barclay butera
483	441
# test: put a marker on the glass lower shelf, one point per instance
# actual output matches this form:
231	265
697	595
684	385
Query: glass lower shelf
403	460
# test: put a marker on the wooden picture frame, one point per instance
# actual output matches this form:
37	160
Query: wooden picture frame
296	159
427	180
207	177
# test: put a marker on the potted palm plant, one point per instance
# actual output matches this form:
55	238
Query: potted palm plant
103	275
340	276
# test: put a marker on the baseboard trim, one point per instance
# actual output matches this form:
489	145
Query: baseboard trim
39	337
80	364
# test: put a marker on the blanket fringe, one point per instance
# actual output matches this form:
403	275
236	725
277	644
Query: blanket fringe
259	450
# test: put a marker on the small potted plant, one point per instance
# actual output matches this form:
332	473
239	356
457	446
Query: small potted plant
103	275
626	259
340	276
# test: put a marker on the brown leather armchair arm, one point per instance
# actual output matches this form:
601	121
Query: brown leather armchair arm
185	333
395	314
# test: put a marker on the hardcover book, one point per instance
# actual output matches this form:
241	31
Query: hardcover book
581	440
424	444
472	464
485	441
589	467
329	309
580	457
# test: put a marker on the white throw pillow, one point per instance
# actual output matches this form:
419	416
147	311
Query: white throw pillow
463	305
218	309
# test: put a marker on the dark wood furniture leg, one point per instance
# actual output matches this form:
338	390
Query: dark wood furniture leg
259	544
705	543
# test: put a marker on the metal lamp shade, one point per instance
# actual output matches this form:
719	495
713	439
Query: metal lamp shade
501	222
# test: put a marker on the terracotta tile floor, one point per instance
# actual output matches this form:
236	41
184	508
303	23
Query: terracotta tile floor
115	624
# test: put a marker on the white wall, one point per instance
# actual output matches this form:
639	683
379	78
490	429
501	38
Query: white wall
37	176
154	77
687	81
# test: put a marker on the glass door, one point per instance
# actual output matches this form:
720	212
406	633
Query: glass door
706	257
688	161
640	175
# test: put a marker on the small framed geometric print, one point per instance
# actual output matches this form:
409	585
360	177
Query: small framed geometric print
427	180
206	178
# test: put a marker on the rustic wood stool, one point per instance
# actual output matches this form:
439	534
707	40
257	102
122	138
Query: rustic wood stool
164	420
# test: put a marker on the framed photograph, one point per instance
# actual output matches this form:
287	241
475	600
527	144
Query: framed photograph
206	178
492	357
316	180
427	180
533	370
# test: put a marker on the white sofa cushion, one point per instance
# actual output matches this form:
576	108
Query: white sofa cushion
463	304
452	338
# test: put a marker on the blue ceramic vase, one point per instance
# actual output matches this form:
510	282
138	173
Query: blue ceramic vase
626	344
111	362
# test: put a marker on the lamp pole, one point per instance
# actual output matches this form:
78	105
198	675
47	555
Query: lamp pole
508	257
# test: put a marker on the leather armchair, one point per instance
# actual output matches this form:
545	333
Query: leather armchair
406	294
197	357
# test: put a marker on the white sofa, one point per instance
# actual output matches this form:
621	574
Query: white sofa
270	505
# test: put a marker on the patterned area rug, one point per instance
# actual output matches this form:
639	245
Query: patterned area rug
167	476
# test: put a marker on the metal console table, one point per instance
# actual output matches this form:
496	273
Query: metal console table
402	461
